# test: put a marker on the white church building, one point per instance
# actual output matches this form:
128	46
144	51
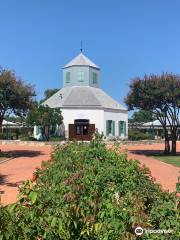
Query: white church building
85	106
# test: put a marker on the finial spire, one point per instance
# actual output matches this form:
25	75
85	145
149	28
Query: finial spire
81	49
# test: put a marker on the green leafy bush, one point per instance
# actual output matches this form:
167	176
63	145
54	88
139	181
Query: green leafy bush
136	135
89	192
56	138
27	138
2	137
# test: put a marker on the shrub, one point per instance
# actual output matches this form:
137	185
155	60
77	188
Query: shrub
89	192
2	136
136	135
56	138
27	138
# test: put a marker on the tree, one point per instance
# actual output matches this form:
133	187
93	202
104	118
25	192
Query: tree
142	116
45	117
159	94
16	97
48	93
15	119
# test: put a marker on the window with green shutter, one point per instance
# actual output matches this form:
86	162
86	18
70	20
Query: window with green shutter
107	127
80	76
113	128
122	128
67	77
94	77
110	127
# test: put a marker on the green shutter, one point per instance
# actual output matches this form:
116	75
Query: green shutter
94	77
113	128
67	77
80	76
107	127
119	127
124	128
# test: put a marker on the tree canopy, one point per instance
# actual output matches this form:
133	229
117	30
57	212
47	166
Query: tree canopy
16	97
142	116
48	93
45	117
159	94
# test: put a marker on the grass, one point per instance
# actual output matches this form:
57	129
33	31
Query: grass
3	156
174	160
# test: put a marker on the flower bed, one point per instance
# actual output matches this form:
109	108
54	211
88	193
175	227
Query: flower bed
89	192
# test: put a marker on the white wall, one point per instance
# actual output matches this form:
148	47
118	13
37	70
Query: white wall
116	116
95	116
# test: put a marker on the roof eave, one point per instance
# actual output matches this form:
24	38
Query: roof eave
94	107
98	68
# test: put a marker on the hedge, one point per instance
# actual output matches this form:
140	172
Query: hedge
89	192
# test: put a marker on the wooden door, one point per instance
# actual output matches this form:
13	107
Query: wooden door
81	132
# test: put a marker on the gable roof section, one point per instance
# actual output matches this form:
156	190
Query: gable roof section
82	96
81	60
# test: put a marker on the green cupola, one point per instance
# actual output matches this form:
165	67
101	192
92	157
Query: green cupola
81	71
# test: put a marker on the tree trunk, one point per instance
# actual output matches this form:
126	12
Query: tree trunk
173	150
166	138
1	120
167	146
46	132
173	147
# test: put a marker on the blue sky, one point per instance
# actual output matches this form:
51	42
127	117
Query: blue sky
125	38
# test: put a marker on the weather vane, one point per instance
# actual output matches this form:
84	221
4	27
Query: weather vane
81	49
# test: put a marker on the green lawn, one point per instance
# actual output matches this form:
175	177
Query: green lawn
174	160
3	156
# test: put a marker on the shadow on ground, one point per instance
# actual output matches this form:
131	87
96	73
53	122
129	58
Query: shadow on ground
16	184
4	181
150	152
23	153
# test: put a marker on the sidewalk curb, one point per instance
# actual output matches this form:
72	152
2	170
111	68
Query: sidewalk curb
7	160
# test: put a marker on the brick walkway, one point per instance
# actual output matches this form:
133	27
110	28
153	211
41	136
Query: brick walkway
165	174
14	172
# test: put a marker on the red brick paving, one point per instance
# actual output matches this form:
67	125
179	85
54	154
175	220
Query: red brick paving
21	168
165	174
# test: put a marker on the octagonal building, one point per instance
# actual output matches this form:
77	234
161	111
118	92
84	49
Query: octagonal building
85	106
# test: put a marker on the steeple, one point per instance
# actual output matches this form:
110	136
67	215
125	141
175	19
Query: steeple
81	71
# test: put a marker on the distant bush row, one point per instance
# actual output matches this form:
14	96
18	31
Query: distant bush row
136	135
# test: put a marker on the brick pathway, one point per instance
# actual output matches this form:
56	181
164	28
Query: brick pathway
165	174
14	172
